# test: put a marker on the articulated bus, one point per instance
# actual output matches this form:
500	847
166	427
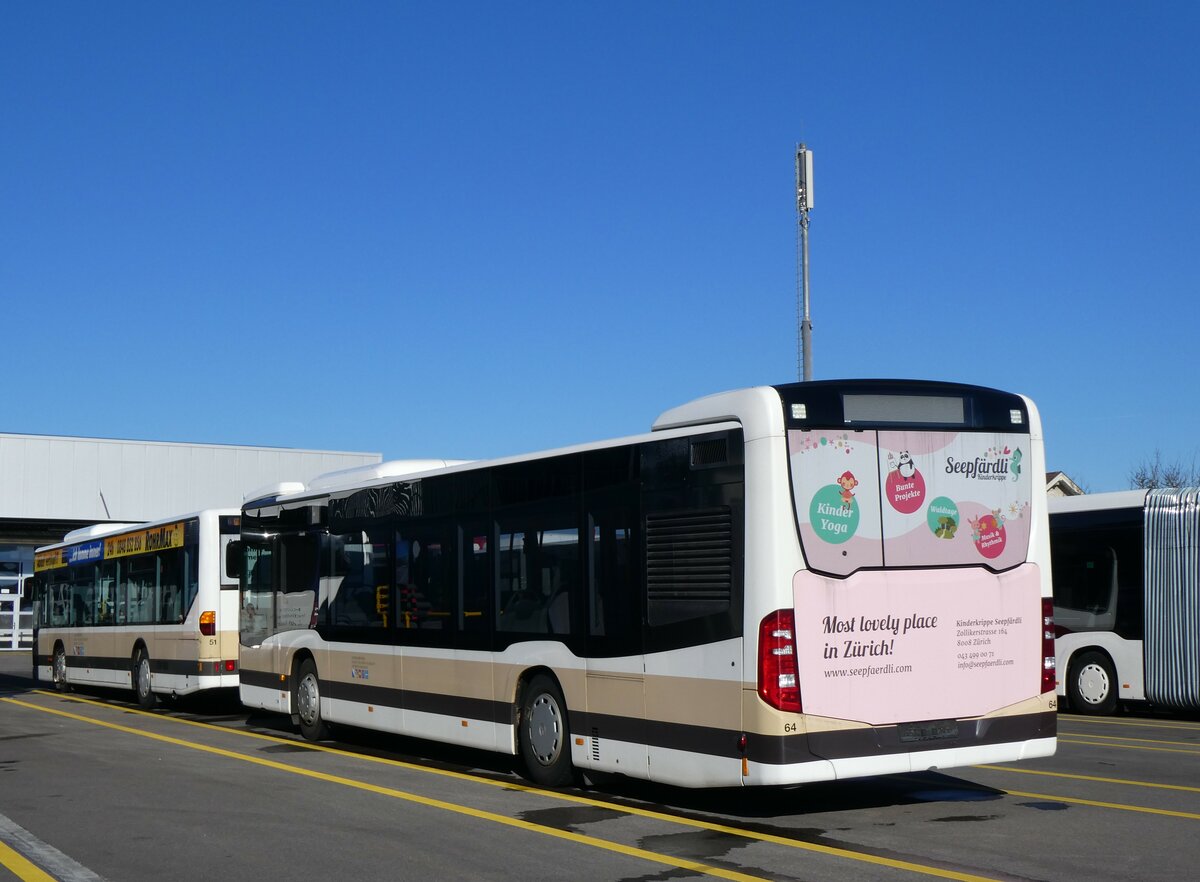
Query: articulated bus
1127	598
147	607
773	586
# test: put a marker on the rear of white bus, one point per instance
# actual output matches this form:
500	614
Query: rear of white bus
908	622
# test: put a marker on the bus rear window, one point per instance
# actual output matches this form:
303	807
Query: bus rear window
908	498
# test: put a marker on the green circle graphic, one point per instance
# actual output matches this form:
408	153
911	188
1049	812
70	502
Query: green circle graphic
943	517
832	518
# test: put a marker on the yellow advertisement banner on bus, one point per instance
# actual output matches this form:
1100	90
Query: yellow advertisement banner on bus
48	560
143	541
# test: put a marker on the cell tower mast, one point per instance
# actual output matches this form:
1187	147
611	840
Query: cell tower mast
804	202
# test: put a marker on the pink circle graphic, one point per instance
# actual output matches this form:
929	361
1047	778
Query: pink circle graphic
906	494
990	537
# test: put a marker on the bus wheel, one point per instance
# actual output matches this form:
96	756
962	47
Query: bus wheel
543	734
58	670
308	702
1093	684
141	680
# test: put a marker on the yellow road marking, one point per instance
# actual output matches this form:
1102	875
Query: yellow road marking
630	851
1193	744
1091	778
1182	725
1191	816
516	786
21	866
1192	752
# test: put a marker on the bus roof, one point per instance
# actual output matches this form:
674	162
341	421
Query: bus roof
1098	501
85	534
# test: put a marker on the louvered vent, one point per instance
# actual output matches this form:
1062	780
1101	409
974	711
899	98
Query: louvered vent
713	452
689	564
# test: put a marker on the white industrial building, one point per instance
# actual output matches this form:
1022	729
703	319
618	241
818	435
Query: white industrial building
50	485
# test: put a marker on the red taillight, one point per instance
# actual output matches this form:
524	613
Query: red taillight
1049	673
778	681
230	666
208	623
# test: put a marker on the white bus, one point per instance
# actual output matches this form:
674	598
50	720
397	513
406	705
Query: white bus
148	607
774	585
1127	598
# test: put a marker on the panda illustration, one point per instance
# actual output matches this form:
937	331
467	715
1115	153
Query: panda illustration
906	468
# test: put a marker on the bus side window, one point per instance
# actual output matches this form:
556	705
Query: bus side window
475	585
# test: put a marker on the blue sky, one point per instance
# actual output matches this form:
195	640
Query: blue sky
471	230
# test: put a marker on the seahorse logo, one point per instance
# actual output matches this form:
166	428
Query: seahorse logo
1015	465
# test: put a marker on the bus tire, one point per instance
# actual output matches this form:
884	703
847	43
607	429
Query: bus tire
544	734
1092	684
58	669
142	690
308	702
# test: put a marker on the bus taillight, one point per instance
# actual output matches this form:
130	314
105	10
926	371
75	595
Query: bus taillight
778	681
1049	673
208	623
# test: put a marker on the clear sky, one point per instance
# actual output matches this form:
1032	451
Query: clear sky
471	230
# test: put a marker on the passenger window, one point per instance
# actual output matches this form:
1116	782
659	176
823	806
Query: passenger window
538	574
362	599
476	580
423	581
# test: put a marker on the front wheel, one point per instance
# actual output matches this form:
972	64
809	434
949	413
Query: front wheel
1092	684
544	734
308	702
141	680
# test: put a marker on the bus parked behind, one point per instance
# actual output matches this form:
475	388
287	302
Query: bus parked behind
147	607
1127	598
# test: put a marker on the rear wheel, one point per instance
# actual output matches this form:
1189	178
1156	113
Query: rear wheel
141	680
308	702
1093	684
58	669
544	733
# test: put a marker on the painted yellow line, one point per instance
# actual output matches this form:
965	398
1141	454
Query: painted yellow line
1193	752
1181	725
1118	806
1195	745
21	866
629	851
755	835
1094	778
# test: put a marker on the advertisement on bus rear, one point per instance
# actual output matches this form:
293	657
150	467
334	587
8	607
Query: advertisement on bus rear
938	619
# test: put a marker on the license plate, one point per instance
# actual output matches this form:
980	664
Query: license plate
934	730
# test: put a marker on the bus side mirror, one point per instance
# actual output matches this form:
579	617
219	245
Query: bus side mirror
234	559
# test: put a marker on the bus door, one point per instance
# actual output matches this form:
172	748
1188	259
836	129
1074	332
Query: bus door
258	653
616	669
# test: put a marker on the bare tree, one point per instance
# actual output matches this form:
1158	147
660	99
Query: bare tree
1153	473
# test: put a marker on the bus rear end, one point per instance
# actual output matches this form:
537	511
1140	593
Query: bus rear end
917	632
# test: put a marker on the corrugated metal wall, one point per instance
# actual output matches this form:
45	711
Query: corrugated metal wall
47	477
1172	646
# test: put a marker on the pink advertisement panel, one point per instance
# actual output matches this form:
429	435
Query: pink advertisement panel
886	647
835	479
954	498
910	499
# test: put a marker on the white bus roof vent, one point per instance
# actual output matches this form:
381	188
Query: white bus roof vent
271	491
95	530
381	471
